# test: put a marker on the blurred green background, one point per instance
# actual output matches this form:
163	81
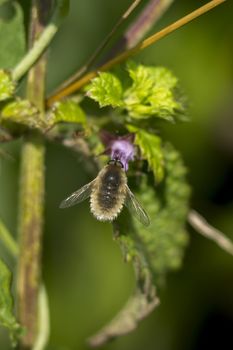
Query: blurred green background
87	280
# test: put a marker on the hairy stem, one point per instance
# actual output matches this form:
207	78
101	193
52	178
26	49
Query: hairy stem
30	231
31	199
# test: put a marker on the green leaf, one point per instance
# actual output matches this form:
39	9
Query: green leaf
164	241
12	35
106	89
7	318
160	246
150	147
152	93
67	111
7	86
21	112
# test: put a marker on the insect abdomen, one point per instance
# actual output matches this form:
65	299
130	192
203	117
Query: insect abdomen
108	191
107	201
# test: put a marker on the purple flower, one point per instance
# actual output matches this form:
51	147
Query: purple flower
119	147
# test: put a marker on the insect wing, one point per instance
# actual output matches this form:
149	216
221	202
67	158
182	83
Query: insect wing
135	208
78	196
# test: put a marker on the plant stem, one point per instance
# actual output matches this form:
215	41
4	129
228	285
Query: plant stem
201	226
39	45
31	199
103	44
135	32
8	240
131	52
30	234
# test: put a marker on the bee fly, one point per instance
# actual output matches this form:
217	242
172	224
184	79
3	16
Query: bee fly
108	193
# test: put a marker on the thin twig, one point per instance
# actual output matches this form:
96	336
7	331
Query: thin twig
39	45
135	310
8	240
151	13
99	49
131	52
204	228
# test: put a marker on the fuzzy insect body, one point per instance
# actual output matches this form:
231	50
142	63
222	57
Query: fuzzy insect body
108	193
